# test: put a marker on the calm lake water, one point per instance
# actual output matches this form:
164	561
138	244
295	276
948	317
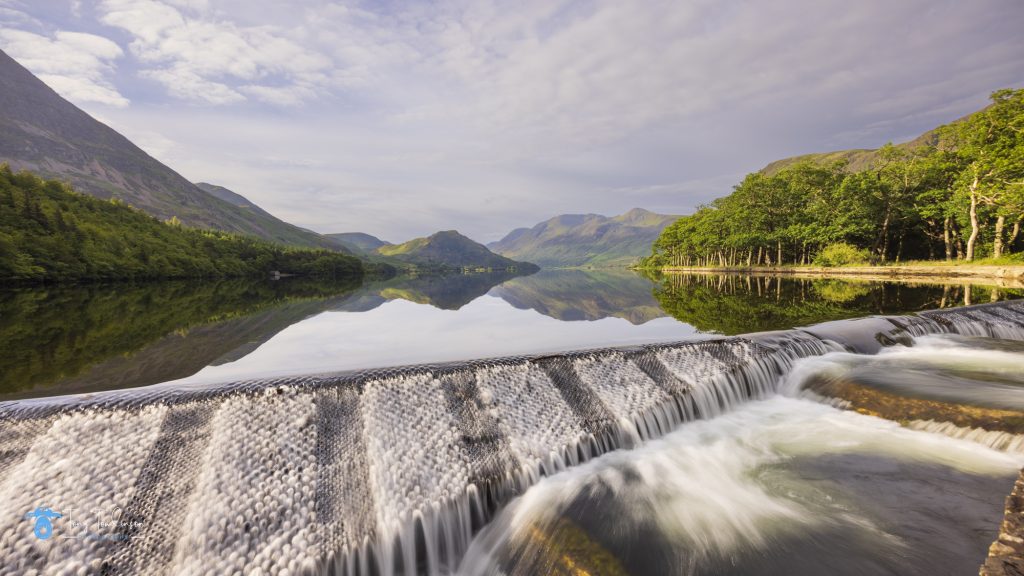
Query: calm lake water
83	339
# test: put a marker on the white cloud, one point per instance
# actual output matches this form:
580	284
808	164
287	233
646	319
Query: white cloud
77	65
486	115
182	82
200	57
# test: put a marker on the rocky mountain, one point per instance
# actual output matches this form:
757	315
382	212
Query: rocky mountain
46	134
359	242
578	240
449	249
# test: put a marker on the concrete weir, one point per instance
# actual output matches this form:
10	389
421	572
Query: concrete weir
378	472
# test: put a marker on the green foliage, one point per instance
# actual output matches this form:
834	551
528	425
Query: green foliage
956	194
841	254
50	233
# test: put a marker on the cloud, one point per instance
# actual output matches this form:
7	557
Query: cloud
181	82
402	118
200	57
77	65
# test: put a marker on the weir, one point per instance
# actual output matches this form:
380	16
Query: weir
386	471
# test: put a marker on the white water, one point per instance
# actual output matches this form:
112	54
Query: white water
940	367
700	486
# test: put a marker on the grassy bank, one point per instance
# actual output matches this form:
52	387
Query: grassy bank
1006	272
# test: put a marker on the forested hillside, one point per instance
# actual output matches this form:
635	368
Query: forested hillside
50	233
957	194
42	132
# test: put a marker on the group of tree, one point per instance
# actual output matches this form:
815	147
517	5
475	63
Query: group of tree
959	196
50	233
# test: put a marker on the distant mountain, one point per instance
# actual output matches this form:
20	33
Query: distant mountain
449	249
46	134
359	242
575	240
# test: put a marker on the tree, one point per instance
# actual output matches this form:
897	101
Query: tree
990	147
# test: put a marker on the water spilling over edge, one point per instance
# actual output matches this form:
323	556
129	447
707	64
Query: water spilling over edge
378	472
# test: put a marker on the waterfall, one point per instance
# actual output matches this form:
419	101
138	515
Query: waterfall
386	471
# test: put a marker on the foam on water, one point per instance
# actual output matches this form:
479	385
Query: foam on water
701	488
392	471
940	367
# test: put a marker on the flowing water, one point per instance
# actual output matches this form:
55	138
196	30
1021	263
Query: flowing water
759	455
789	484
780	486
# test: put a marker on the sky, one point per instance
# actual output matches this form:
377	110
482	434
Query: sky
400	118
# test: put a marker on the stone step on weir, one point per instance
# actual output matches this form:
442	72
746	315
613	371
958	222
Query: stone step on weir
387	471
1006	555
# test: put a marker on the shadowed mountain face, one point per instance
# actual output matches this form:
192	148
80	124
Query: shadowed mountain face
572	295
449	249
572	240
44	133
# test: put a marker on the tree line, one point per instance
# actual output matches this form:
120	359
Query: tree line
50	233
960	196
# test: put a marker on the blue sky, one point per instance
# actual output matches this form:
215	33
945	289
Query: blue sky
402	118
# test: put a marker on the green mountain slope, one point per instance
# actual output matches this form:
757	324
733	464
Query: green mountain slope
575	240
449	249
857	159
358	242
51	233
46	134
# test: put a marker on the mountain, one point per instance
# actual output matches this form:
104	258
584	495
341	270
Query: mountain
46	134
359	242
857	159
575	240
449	249
50	233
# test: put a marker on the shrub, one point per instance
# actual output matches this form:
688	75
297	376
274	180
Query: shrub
841	254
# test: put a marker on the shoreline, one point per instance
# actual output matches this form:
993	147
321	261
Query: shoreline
995	275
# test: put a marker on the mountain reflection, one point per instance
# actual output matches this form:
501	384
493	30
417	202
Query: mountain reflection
75	339
572	295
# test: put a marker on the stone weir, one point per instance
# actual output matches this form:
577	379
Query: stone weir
377	472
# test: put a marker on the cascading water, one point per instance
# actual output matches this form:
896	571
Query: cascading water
381	472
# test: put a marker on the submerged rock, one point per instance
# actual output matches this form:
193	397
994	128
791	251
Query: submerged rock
866	399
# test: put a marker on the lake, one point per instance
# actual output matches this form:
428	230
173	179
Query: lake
771	462
65	340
